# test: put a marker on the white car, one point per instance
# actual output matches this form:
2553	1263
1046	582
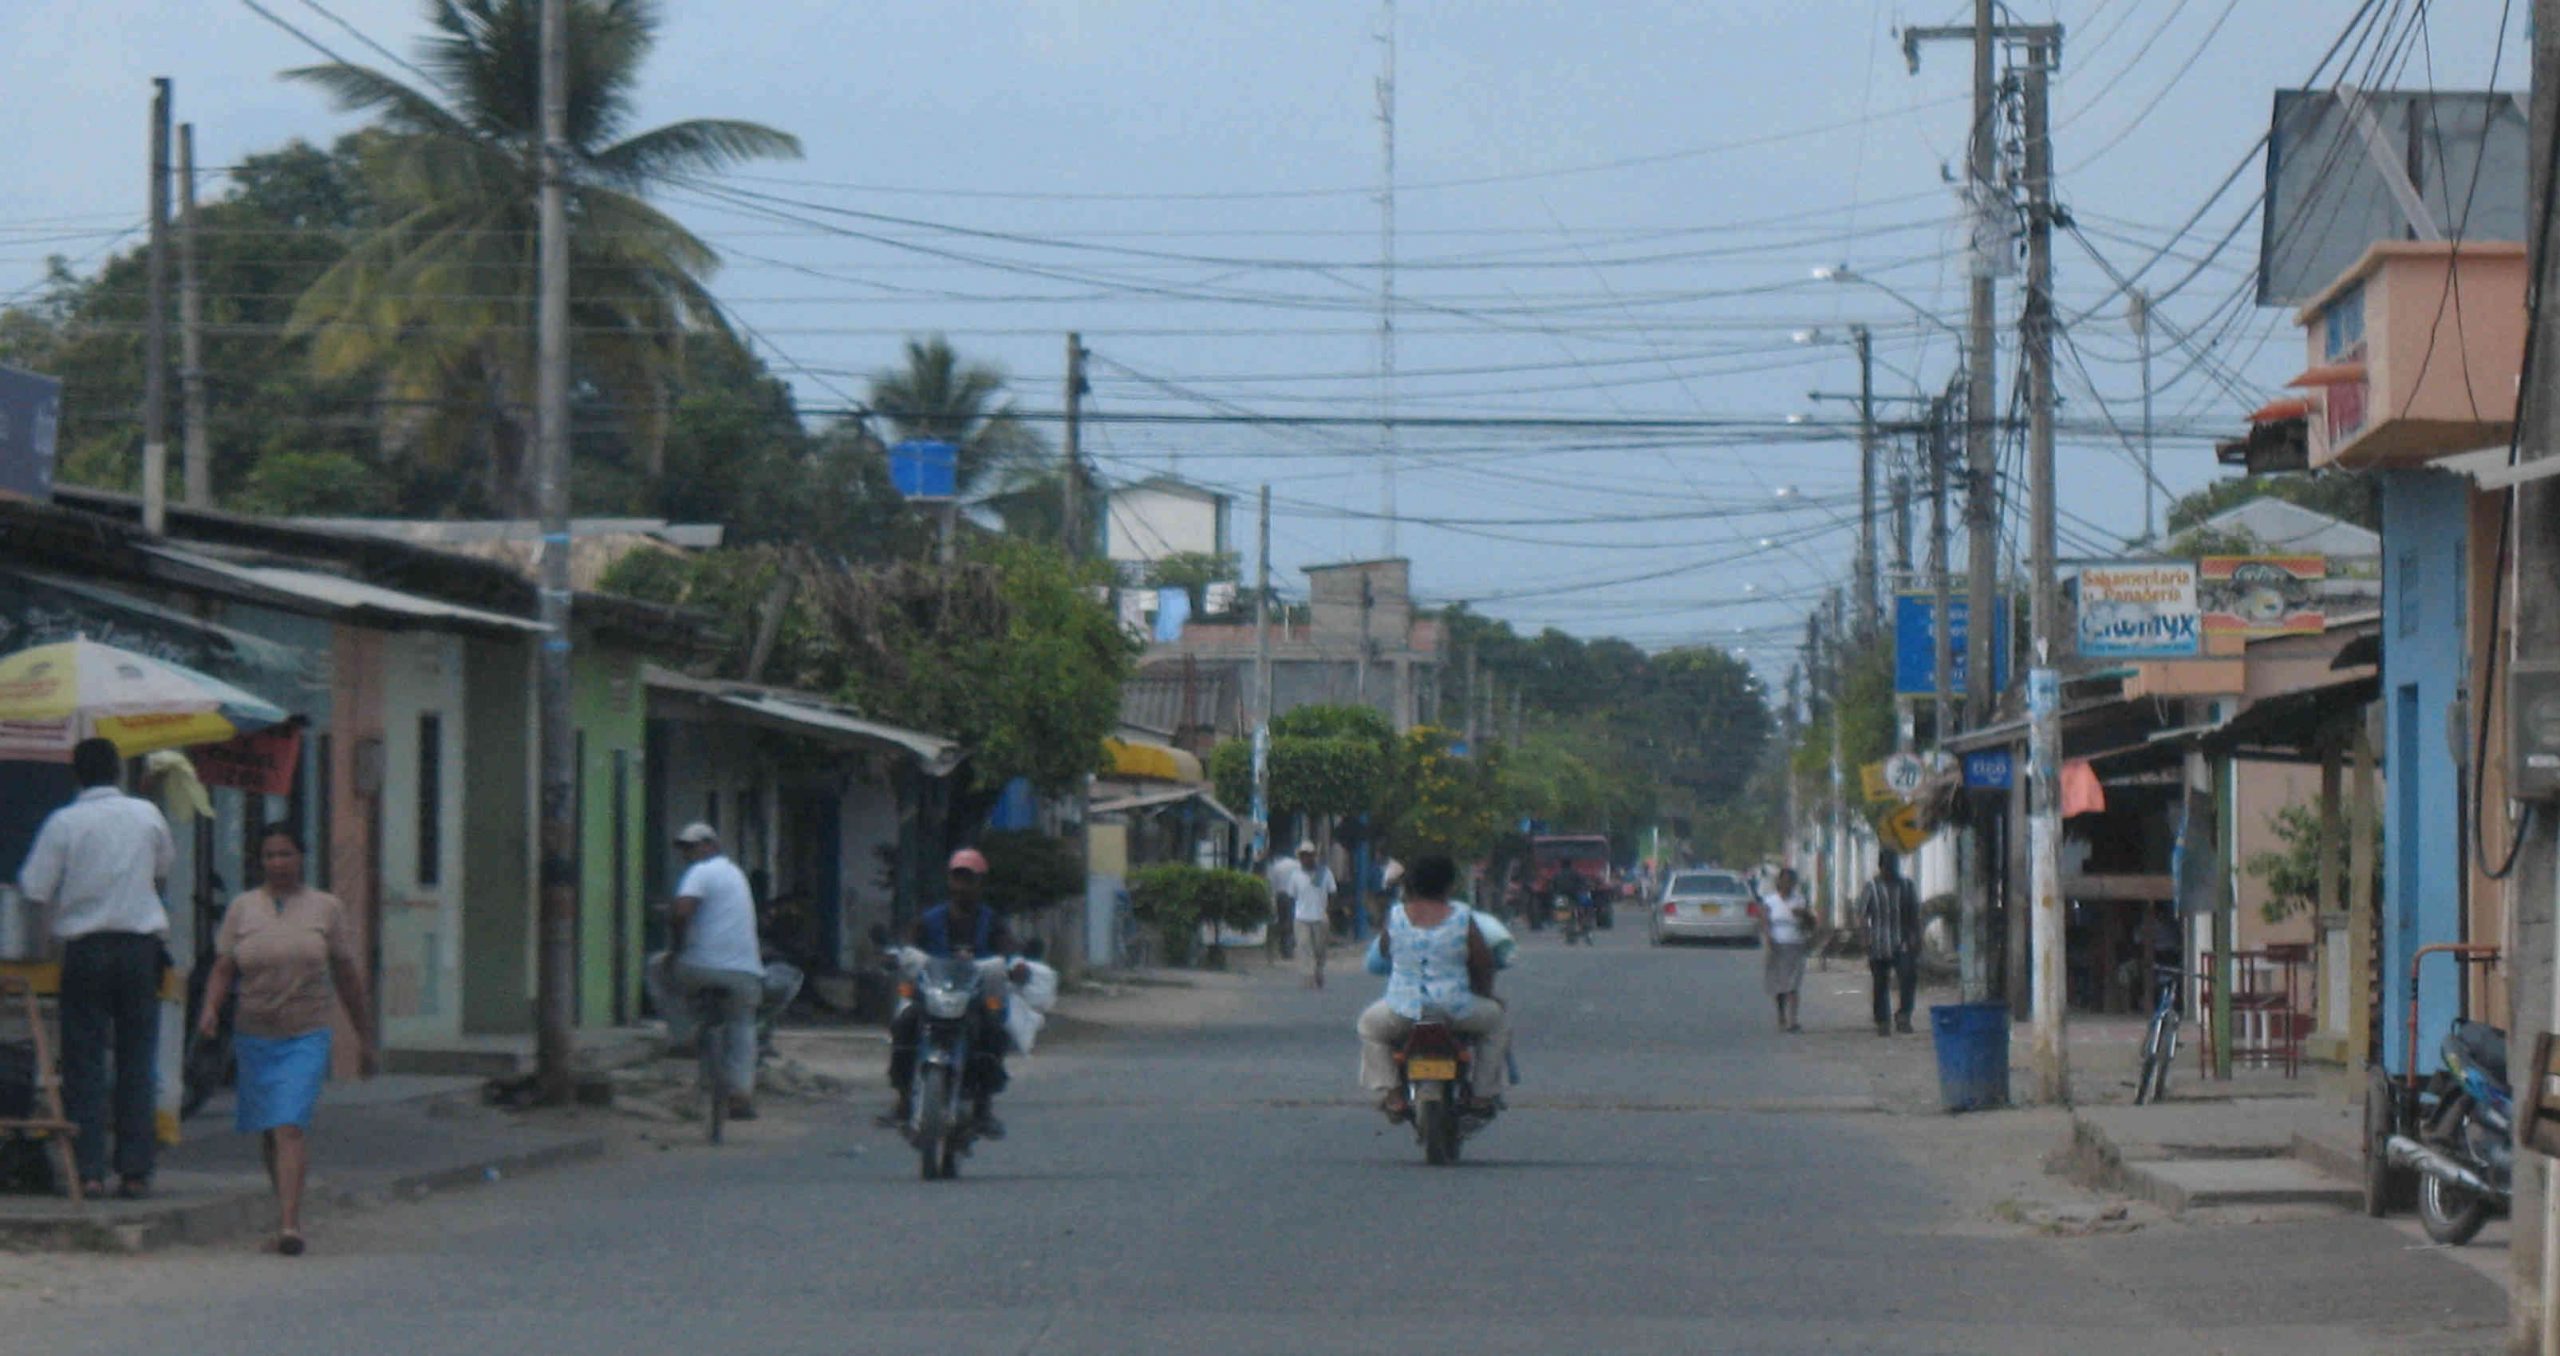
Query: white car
1706	905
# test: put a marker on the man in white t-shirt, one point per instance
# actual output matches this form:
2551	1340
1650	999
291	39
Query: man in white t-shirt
1311	908
714	946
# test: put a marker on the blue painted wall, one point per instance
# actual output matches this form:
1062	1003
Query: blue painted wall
2426	526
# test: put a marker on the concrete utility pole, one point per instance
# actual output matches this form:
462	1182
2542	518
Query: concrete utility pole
1866	594
1941	586
1262	682
155	328
1072	513
555	980
1387	277
1839	774
2138	311
198	447
2535	640
2044	678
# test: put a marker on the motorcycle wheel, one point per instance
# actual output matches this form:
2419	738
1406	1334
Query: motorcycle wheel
1438	1129
933	1109
2452	1215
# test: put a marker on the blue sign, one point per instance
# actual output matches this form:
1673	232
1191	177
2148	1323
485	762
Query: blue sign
921	468
1988	770
1915	652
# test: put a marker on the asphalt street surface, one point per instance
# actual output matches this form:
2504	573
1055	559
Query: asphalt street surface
1675	1176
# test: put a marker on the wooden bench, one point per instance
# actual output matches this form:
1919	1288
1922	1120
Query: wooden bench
50	1123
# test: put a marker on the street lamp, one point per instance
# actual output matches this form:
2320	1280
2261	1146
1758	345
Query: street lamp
1842	273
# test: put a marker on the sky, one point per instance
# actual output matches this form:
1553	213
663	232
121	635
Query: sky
1605	214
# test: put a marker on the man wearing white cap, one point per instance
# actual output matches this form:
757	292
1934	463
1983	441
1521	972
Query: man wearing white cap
1311	901
714	946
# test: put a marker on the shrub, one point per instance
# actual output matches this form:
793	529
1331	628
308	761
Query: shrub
1028	871
1176	900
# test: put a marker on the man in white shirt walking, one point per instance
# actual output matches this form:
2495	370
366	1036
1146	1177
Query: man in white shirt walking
715	947
99	865
1311	907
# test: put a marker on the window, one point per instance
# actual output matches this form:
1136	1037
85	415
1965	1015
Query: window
430	799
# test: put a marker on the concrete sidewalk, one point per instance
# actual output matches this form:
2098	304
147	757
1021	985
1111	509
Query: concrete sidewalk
395	1137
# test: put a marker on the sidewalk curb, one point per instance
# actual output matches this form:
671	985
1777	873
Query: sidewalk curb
237	1213
2094	1160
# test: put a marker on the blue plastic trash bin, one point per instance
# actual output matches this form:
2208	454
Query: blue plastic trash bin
1973	1054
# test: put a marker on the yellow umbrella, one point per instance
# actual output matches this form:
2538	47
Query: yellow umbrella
54	696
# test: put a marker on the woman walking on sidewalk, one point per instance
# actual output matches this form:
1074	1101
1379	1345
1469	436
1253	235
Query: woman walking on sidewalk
289	951
1785	923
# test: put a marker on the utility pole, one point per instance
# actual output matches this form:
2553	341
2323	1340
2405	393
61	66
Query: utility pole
1387	279
1072	514
1941	587
2044	678
2138	311
556	954
1866	594
198	445
2535	639
155	328
1262	682
1981	406
1368	604
1839	776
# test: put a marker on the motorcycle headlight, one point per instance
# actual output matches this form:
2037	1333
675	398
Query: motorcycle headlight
945	1003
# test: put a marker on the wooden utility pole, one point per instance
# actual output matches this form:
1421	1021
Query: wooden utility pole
1941	586
555	978
155	328
198	444
1072	514
2044	677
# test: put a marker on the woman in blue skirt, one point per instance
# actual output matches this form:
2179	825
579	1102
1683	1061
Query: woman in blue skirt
289	952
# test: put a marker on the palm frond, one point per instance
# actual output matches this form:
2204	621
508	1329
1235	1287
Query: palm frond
362	89
695	146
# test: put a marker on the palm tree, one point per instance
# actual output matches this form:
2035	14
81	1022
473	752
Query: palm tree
439	298
936	396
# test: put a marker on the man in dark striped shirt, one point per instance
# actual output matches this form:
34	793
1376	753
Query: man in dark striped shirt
1890	908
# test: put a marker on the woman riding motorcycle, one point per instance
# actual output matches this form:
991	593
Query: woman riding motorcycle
1438	960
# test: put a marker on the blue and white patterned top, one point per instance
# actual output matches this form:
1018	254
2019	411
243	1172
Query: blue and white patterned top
1430	964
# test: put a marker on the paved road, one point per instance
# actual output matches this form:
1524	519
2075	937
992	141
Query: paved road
1676	1176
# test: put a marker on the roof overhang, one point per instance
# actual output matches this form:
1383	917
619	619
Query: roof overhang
809	717
339	596
1161	800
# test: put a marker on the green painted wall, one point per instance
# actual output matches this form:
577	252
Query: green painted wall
612	710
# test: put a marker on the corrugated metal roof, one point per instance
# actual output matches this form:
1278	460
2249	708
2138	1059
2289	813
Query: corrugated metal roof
340	593
775	706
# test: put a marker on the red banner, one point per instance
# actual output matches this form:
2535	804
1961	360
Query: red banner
263	762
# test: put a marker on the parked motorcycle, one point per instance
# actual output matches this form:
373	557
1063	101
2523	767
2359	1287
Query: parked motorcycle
959	998
1437	1065
2464	1148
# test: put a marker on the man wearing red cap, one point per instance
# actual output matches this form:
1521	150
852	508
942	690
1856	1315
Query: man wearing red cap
964	925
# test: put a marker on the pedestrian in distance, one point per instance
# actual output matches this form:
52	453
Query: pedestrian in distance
289	952
1890	910
1282	875
1786	929
98	867
1311	908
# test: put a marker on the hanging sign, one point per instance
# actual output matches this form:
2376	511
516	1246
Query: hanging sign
1902	830
2261	595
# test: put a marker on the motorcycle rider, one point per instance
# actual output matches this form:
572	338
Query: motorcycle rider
1437	958
962	926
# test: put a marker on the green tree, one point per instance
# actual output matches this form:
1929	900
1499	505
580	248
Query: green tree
2292	872
436	301
1442	800
938	396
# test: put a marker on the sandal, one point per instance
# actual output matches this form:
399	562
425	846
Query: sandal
289	1244
1396	1108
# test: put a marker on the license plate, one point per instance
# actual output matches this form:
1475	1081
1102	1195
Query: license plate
1428	1070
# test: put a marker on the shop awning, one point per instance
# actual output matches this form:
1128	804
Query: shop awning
1152	762
2287	728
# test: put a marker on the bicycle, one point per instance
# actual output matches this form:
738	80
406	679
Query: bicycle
2160	1040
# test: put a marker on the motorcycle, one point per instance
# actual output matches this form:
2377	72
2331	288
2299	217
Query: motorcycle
1436	1065
2464	1148
960	999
